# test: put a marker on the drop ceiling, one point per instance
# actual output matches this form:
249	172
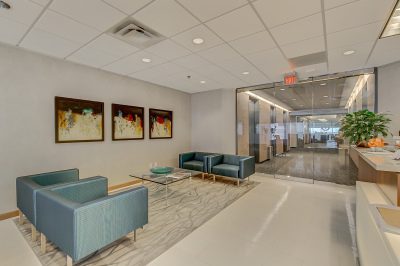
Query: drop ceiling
258	37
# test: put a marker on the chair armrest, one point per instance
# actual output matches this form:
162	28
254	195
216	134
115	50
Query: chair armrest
101	222
26	196
53	178
184	157
214	160
247	167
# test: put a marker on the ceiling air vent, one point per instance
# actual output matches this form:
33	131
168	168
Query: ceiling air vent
135	34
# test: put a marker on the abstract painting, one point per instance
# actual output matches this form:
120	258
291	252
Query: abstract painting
78	120
160	124
127	122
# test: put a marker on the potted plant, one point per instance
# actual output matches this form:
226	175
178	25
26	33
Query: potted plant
362	126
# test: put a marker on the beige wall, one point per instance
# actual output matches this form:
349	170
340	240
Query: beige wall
243	124
28	85
389	94
213	121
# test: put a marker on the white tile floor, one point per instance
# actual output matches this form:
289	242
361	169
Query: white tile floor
278	223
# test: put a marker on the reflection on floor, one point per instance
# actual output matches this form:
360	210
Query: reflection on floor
330	165
279	223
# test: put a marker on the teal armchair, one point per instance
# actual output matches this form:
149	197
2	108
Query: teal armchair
81	218
28	186
196	161
234	166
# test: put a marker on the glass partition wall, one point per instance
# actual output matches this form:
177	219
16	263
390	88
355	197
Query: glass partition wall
294	131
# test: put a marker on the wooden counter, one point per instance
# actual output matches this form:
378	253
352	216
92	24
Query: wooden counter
379	168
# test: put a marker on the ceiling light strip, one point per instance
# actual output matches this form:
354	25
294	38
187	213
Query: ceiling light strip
362	80
392	26
265	100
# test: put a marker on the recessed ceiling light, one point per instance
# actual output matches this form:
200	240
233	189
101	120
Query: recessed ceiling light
326	103
392	26
4	5
322	84
326	96
245	73
198	40
293	99
146	60
282	89
203	81
349	52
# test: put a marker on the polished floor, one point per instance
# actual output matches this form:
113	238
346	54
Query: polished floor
278	223
314	163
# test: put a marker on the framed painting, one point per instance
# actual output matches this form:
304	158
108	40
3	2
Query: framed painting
160	124
78	120
127	122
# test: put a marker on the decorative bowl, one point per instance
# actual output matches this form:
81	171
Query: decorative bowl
161	170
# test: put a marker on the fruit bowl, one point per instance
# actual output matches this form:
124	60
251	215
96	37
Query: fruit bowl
161	170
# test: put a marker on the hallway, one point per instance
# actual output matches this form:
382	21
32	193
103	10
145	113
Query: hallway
329	165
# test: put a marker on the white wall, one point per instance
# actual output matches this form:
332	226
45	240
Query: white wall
389	94
28	84
213	121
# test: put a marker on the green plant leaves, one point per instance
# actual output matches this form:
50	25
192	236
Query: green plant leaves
364	125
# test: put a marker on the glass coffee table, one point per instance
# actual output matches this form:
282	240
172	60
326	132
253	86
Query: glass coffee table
166	180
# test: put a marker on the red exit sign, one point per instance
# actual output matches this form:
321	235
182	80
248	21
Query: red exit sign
290	79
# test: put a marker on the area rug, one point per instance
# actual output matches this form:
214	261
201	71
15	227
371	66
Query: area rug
190	204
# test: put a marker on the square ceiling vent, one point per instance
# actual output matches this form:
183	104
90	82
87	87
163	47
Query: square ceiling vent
134	33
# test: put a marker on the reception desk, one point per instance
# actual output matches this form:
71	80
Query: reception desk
379	168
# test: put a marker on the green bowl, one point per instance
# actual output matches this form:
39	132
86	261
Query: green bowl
161	170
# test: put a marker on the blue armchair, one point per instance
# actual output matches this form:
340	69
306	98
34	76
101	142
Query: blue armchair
239	167
196	161
28	186
81	218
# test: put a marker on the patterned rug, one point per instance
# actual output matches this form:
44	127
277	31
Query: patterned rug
190	204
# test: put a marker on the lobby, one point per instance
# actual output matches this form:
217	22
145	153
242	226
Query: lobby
183	132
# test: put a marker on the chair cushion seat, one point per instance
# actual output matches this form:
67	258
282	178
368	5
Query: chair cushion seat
226	170
194	165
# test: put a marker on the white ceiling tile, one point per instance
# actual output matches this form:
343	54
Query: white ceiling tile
356	14
309	46
236	24
275	13
49	44
208	9
134	63
162	16
356	35
386	51
237	66
128	6
94	13
254	43
186	38
168	49
11	32
272	63
219	53
338	62
169	68
328	4
112	46
221	76
191	61
312	70
22	11
41	2
92	57
64	27
299	30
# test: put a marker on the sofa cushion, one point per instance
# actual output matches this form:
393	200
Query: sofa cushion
194	165
226	170
231	159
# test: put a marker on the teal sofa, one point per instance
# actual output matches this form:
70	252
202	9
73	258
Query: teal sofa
28	186
196	161
234	166
81	218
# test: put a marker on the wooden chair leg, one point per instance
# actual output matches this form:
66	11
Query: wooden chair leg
134	236
43	243
69	261
33	229
238	182
21	217
202	176
214	178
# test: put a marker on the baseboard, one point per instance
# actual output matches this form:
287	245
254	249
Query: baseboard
12	214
